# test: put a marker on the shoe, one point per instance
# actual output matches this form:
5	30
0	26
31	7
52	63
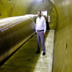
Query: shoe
37	52
44	53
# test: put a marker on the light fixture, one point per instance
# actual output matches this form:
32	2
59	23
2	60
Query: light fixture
42	0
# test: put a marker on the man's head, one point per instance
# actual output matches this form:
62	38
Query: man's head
39	13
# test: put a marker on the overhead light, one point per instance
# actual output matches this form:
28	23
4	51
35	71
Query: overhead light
42	0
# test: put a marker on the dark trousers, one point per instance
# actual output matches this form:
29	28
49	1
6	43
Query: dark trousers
41	38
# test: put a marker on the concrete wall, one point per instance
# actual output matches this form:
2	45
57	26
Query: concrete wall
63	37
9	8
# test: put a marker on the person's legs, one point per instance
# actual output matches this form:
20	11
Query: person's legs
38	40
42	41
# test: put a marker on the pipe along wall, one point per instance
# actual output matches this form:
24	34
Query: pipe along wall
14	34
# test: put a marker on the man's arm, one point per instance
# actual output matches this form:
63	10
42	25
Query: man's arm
44	26
36	26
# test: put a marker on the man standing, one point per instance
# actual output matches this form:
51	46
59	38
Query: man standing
41	30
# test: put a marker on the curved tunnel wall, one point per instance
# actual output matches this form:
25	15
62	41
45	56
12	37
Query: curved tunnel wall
9	8
63	38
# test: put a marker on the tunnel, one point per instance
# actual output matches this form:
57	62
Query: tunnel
18	39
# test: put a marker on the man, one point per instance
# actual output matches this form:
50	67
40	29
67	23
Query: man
40	31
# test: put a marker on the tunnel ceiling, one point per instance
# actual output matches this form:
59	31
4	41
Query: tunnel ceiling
10	8
45	5
40	5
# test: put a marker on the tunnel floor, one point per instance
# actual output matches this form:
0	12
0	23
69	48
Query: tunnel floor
25	59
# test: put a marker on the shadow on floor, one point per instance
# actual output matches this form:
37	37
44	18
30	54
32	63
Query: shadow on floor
23	60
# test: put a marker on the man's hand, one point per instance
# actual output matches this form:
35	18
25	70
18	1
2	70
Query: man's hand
44	34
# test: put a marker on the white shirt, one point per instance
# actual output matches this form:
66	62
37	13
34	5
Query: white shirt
41	24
